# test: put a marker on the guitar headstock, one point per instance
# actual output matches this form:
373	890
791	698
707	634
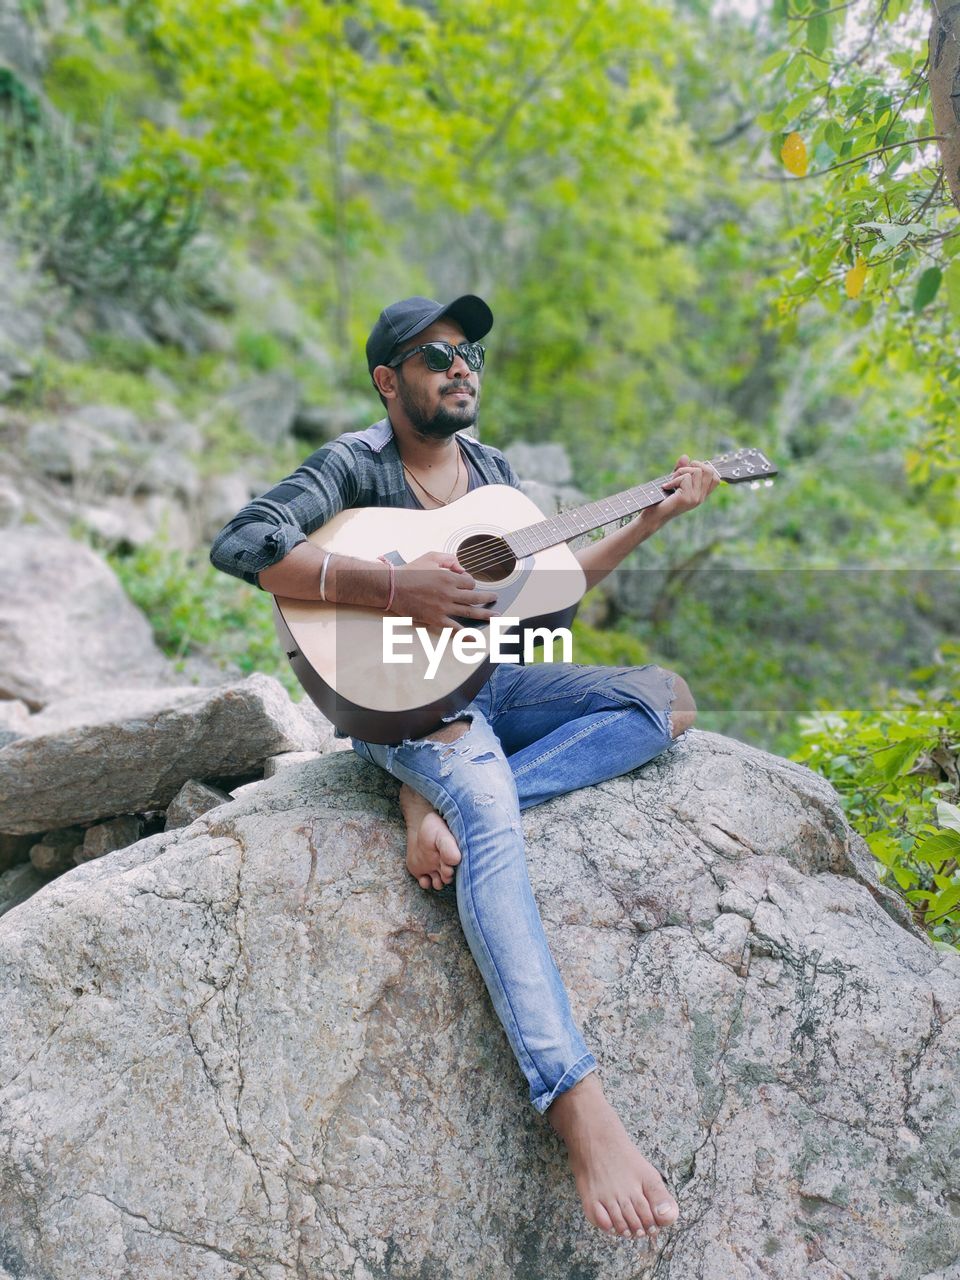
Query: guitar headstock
744	464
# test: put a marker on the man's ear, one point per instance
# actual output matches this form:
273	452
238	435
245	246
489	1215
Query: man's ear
386	381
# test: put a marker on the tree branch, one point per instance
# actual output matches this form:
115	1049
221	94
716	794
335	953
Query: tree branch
842	164
531	87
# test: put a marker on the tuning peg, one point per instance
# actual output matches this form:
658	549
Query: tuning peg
767	484
754	484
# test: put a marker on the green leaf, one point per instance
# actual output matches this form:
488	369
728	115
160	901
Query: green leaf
927	287
892	232
945	901
938	848
774	62
833	136
818	31
896	760
948	815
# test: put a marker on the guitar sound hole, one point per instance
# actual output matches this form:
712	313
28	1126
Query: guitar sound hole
486	557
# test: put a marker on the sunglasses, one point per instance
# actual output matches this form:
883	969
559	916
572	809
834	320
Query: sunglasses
439	356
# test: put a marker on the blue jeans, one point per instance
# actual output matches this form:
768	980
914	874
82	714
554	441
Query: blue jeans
535	732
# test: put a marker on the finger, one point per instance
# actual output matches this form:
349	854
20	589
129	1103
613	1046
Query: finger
476	597
453	624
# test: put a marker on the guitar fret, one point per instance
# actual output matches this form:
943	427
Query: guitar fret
593	515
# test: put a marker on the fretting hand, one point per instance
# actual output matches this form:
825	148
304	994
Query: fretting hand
689	485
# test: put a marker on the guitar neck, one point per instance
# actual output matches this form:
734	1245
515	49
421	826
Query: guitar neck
736	467
593	515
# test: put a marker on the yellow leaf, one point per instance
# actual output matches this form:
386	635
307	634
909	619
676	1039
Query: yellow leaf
793	153
855	277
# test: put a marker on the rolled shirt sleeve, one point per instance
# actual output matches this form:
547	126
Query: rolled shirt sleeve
266	530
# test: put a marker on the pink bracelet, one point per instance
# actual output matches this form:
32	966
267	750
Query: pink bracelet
393	582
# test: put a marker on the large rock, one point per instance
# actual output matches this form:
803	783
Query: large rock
128	751
66	626
104	449
267	406
254	1048
548	464
25	31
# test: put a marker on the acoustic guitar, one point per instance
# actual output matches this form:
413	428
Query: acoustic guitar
498	535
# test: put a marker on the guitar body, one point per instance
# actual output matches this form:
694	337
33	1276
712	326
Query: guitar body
336	651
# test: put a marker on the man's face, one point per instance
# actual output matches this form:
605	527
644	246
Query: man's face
438	404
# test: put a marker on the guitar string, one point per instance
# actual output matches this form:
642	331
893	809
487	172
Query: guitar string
555	523
630	508
552	524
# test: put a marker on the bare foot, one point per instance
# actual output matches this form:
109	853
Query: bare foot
432	852
620	1190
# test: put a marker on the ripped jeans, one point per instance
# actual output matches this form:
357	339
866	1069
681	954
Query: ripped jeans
535	732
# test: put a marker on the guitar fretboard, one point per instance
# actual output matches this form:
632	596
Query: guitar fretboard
568	524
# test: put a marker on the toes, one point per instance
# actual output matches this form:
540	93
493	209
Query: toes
600	1218
448	851
641	1207
632	1218
423	882
616	1217
665	1210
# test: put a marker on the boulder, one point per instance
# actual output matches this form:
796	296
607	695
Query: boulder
127	751
193	799
66	626
58	850
273	764
24	298
254	1047
547	463
266	407
319	423
16	885
103	450
220	499
20	49
107	837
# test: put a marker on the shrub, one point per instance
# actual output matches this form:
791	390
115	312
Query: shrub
99	225
195	609
896	768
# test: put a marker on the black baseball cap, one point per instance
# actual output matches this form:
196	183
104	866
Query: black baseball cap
405	319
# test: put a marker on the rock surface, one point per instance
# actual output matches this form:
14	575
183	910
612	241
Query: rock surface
131	750
193	799
253	1049
16	885
66	626
267	406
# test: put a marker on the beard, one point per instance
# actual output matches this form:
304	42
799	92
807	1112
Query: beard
443	421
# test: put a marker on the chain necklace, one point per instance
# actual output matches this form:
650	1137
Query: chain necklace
441	502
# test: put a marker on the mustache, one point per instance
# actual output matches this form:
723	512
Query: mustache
465	388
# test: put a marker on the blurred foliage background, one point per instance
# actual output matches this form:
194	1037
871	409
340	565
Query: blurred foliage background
699	226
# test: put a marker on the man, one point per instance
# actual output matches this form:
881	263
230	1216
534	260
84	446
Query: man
531	733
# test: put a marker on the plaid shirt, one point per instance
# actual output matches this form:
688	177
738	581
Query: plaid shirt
359	469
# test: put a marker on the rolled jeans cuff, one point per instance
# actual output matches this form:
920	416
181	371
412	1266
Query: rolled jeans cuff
583	1066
